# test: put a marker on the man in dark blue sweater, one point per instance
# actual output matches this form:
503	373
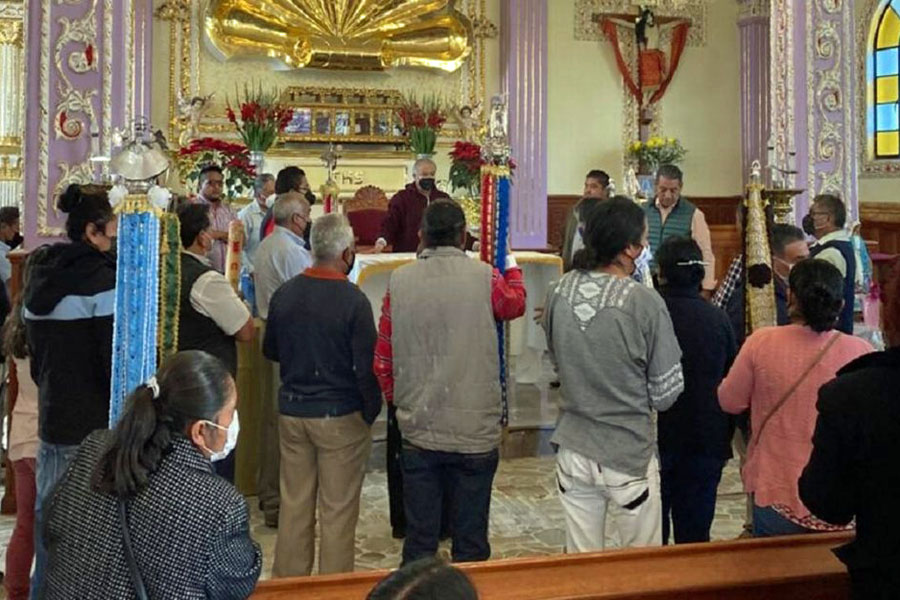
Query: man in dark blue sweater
321	330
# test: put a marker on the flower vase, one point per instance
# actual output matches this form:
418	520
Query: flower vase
258	160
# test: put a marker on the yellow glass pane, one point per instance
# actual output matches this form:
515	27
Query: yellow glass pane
888	90
887	144
889	30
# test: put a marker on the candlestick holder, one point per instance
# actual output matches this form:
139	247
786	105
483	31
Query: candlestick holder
782	201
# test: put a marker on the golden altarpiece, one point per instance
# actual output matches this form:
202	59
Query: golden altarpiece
342	66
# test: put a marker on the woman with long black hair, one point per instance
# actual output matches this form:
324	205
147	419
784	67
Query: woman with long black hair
141	512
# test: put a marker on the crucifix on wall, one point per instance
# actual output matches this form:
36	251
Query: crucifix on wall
651	71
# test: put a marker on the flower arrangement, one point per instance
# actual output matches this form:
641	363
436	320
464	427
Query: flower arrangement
233	158
465	167
657	151
421	122
261	118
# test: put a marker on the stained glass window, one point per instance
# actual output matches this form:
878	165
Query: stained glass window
884	69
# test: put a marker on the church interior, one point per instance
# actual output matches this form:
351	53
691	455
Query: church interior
762	107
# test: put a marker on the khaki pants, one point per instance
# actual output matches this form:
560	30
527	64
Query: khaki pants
269	453
325	460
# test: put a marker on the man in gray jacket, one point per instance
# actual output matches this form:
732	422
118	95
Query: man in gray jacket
437	359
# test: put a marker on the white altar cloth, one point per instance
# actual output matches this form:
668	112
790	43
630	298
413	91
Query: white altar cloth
527	342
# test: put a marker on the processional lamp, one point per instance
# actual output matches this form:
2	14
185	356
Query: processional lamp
147	266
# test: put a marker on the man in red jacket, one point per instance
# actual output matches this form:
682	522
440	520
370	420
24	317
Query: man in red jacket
400	228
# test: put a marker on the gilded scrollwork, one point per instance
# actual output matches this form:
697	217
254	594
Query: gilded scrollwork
830	135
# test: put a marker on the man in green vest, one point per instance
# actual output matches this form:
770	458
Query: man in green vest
669	214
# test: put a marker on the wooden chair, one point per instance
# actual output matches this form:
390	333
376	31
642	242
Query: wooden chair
365	197
366	211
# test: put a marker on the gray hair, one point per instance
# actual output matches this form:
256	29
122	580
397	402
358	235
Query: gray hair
260	182
421	162
286	206
331	235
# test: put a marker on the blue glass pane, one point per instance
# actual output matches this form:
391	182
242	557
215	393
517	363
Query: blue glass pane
870	120
887	62
887	117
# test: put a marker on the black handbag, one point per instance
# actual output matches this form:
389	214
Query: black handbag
129	555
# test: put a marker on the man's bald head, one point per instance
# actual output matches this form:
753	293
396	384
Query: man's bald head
291	210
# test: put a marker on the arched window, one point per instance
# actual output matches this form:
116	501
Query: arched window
884	77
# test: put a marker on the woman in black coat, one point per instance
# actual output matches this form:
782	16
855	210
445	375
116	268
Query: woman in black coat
188	528
694	435
852	471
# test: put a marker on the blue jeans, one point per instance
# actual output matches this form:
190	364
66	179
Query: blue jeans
767	523
431	478
689	483
52	462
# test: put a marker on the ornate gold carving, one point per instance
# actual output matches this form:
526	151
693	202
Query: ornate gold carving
11	33
879	211
342	34
588	29
10	168
865	37
828	67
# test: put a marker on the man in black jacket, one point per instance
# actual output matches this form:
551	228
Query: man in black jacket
852	471
321	330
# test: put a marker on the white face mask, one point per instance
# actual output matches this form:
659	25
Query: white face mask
230	439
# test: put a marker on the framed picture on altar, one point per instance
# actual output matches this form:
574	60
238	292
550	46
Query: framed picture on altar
323	122
342	123
383	123
362	123
301	122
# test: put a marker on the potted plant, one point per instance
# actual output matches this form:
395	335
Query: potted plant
258	120
421	122
654	152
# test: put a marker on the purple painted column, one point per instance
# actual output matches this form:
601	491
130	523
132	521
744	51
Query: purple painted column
523	64
83	69
755	126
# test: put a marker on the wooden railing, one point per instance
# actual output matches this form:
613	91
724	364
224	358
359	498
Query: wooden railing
790	568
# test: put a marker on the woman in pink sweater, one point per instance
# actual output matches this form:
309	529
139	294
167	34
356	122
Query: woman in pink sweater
777	375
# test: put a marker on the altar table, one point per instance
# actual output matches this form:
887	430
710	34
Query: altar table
371	273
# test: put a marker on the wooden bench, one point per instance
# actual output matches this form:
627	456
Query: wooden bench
794	568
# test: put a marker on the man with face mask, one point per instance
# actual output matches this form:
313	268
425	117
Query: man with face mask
289	179
671	214
212	318
252	216
826	219
401	225
321	332
280	257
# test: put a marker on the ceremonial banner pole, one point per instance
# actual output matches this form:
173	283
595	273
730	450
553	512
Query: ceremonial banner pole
495	193
233	254
759	300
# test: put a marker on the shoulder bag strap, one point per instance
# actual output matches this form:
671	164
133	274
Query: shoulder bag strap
818	357
129	555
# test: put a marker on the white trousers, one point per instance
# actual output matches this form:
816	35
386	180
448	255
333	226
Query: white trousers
589	492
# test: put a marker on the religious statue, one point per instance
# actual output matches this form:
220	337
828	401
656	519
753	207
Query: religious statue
191	111
496	145
330	189
468	119
373	35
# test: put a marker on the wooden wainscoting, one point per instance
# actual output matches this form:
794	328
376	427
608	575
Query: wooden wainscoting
718	210
881	224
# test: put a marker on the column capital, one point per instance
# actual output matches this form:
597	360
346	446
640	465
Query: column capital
751	10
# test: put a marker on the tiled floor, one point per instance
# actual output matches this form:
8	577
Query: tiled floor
526	516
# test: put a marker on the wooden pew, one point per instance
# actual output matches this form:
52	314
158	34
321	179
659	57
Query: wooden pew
794	568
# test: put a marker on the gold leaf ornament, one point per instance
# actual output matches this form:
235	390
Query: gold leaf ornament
365	35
